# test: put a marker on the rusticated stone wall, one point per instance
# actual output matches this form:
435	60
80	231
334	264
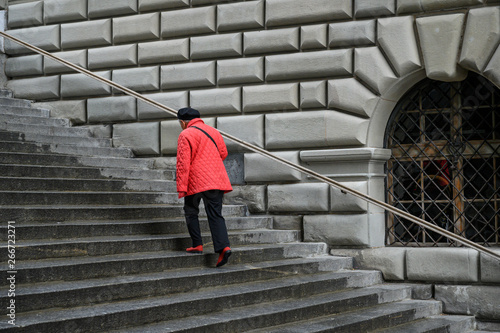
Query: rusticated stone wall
313	81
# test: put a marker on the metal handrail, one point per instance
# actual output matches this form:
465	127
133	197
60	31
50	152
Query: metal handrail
261	151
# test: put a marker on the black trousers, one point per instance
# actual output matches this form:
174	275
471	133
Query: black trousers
213	206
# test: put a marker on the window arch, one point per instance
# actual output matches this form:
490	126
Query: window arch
445	163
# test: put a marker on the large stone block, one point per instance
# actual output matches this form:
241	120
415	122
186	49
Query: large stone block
40	88
252	196
371	67
337	230
104	8
347	203
397	39
442	264
74	110
86	34
440	38
142	138
490	268
224	45
240	16
75	85
216	101
492	71
413	6
112	56
110	109
130	29
24	66
145	5
197	74
293	12
78	57
170	130
482	35
309	65
350	95
313	36
246	128
266	41
374	8
313	94
303	197
355	33
260	168
45	37
188	22
314	129
138	79
480	301
56	11
25	15
275	97
288	222
237	71
174	100
163	51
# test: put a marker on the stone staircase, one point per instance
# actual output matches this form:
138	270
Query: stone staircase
100	242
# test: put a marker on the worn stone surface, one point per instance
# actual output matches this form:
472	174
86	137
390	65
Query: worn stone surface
254	196
103	8
187	22
313	94
25	15
24	66
135	28
350	95
78	57
55	11
74	110
240	16
199	74
174	100
337	230
374	8
111	109
142	138
164	51
490	268
293	12
397	39
39	88
266	41
46	38
482	35
440	38
309	65
216	101
112	56
162	4
356	33
74	85
138	79
85	34
314	129
480	301
287	222
313	36
276	97
224	45
246	70
347	203
303	197
248	128
259	168
413	6
442	264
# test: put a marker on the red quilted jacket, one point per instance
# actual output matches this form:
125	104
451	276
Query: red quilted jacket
199	162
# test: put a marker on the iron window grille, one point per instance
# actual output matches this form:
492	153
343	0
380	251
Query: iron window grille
445	163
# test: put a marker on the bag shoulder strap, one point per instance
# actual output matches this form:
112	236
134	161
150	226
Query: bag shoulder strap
207	135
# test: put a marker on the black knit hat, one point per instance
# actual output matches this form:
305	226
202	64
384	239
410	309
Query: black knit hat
188	114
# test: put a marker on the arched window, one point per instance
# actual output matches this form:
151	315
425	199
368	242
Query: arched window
445	164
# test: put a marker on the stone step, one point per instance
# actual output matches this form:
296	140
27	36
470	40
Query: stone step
30	147
257	298
71	269
41	171
86	198
86	292
22	214
72	161
10	105
6	93
69	184
46	130
55	140
435	324
34	120
107	245
119	228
